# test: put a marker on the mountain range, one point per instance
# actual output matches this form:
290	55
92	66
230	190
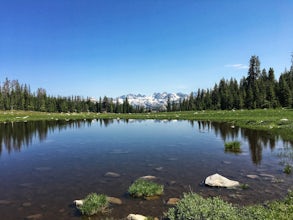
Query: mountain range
155	101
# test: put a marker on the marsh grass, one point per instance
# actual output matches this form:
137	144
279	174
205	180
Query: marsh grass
233	146
93	204
145	188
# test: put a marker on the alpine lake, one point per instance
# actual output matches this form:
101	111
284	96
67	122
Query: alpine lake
46	165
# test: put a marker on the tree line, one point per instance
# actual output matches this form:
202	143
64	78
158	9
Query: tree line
16	96
259	89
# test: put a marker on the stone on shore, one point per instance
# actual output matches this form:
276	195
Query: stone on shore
220	181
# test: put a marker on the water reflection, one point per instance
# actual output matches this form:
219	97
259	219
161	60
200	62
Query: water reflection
14	136
257	140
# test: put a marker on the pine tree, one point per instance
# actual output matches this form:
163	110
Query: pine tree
285	94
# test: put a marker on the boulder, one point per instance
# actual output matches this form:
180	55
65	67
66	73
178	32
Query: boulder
136	217
220	181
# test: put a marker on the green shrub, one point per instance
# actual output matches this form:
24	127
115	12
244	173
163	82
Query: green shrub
233	146
144	188
287	169
193	207
93	204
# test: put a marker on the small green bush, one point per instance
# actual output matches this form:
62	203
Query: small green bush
193	207
144	188
93	204
233	146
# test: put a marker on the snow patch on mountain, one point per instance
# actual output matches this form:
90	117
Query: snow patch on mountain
157	100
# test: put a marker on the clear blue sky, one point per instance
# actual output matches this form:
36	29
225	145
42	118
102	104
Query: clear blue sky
115	47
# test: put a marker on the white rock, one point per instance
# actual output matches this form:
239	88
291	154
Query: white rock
78	202
136	217
220	181
284	119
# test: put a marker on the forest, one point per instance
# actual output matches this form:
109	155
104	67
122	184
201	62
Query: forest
259	89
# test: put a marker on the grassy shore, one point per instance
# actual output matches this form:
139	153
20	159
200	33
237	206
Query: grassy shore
276	121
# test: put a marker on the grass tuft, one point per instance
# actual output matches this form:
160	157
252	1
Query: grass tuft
145	188
233	146
93	204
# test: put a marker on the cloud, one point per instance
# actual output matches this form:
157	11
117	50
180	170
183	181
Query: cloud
237	66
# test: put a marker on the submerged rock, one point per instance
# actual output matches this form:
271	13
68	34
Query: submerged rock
5	202
34	217
252	176
112	174
158	168
220	181
136	217
114	200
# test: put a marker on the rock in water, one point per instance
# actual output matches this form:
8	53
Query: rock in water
136	217
112	174
148	177
114	200
78	202
173	201
220	181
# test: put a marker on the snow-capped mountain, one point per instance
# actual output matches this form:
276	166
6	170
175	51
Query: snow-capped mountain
157	100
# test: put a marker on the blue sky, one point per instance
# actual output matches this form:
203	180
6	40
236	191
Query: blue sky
115	47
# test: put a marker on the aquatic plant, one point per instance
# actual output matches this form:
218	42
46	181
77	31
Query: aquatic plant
145	188
93	204
287	169
233	146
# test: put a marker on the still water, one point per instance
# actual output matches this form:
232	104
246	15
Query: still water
44	166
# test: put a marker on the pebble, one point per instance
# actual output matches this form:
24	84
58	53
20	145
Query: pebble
252	176
34	216
26	204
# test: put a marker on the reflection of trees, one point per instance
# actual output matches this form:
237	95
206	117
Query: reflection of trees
14	136
256	139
